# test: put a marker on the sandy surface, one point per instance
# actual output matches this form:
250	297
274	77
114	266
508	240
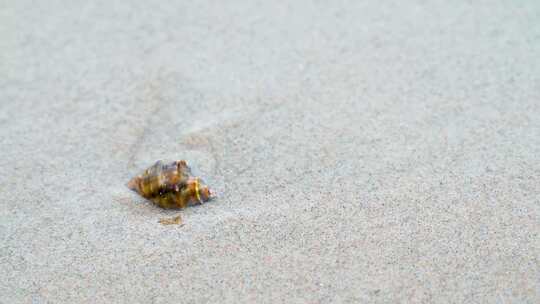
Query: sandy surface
362	152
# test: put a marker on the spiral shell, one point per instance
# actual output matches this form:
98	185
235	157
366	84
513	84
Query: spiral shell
170	185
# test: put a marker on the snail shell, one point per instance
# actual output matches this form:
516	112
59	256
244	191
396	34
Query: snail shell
170	185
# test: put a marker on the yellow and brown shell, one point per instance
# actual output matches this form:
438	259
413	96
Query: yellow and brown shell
170	185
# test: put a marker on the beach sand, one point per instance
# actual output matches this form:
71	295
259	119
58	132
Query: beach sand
361	152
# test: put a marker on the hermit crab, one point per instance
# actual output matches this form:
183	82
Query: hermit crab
170	185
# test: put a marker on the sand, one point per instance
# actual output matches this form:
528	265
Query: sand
362	152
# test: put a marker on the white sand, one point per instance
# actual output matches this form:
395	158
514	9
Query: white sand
362	152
